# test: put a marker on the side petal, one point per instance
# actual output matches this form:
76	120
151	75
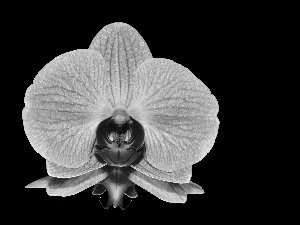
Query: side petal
192	188
179	176
70	186
178	113
64	106
55	170
165	191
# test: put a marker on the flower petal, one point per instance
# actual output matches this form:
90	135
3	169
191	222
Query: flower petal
161	189
180	176
123	50
55	170
177	111
64	106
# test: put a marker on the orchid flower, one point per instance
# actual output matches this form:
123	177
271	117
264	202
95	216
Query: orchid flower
114	117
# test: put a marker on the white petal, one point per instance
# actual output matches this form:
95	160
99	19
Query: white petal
178	114
64	106
55	170
161	189
180	176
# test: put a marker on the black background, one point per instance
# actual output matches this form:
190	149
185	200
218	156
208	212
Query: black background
205	44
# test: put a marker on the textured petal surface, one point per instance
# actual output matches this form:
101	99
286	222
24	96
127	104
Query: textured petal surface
192	188
161	189
180	176
64	106
77	184
55	170
123	50
177	111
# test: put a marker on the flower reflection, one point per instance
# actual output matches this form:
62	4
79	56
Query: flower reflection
113	117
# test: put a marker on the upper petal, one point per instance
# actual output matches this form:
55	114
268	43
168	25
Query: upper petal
123	50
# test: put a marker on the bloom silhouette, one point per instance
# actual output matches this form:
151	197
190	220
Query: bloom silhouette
113	117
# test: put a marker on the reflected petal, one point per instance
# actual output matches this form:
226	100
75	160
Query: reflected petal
70	186
55	170
41	183
161	189
180	176
192	188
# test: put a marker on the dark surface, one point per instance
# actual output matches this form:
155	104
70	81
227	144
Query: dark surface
191	50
